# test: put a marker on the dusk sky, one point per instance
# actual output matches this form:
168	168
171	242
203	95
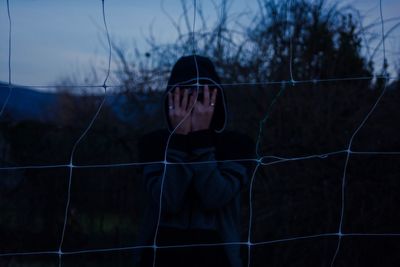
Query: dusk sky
52	39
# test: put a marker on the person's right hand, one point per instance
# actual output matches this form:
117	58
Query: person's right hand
179	110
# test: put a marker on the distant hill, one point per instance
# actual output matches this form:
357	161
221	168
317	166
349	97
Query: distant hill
29	104
26	103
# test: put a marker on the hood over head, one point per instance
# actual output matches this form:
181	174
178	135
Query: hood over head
184	73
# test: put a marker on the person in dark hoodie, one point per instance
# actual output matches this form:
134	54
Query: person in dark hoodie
200	202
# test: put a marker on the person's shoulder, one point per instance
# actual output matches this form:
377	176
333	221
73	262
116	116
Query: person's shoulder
157	137
237	137
237	143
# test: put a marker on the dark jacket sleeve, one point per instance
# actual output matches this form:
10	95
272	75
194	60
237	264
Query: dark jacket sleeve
217	183
175	178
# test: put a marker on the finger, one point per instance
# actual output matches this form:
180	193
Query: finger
214	96
191	104
170	101
206	100
192	99
176	98
185	99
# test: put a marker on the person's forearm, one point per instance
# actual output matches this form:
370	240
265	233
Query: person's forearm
174	178
216	183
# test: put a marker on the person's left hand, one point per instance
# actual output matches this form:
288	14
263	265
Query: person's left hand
203	111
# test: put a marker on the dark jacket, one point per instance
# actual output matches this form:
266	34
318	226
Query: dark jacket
204	194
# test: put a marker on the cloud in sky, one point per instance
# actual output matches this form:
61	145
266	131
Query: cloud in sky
51	38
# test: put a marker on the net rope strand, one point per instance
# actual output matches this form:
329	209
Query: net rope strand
174	130
260	243
165	162
261	159
290	43
9	85
109	47
344	178
71	163
260	131
314	81
283	83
